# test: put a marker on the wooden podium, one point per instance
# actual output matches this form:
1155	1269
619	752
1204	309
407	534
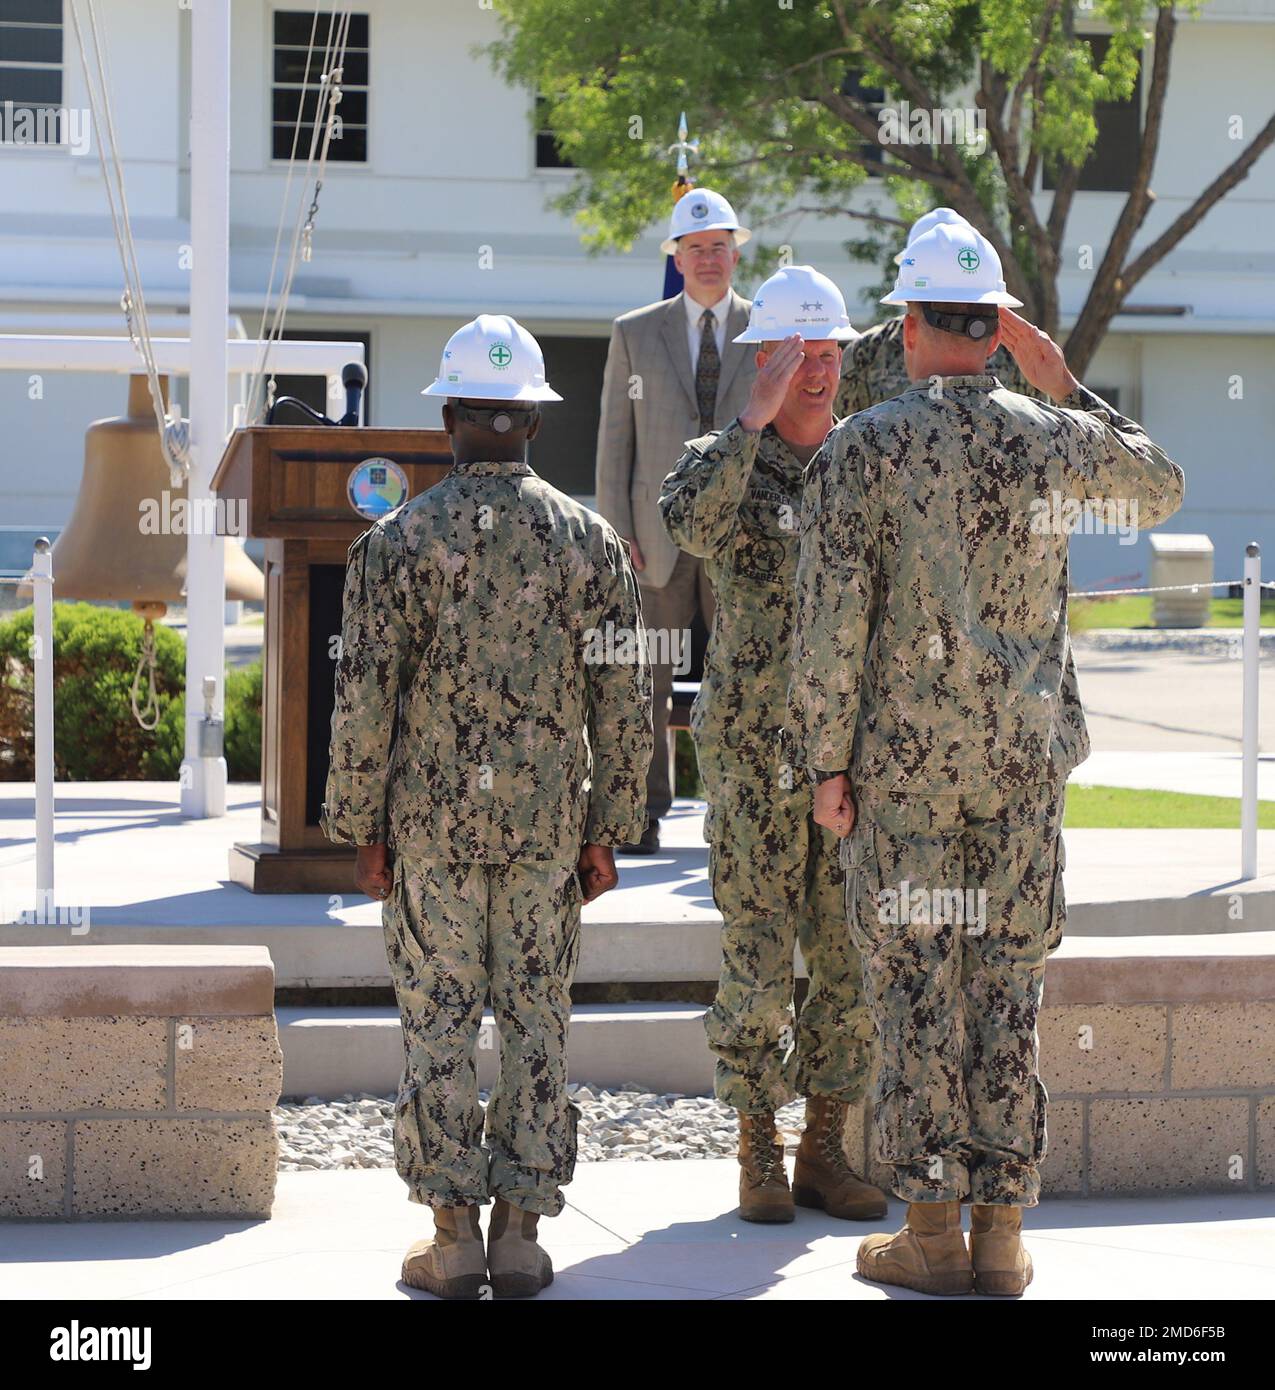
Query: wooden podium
295	482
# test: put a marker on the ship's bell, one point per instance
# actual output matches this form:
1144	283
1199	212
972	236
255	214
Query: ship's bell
126	539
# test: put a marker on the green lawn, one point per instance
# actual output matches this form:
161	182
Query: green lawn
1119	808
1134	610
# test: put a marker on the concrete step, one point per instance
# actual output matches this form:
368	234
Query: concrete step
660	1047
328	954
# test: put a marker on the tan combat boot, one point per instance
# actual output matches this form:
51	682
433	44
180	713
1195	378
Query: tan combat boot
928	1254
519	1267
763	1183
1001	1262
452	1264
823	1178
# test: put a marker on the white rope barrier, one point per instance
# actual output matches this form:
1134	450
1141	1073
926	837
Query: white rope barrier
40	578
1168	589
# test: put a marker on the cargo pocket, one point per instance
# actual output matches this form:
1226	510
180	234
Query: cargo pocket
1040	1135
400	943
408	1156
887	1120
870	927
568	1168
1057	919
569	952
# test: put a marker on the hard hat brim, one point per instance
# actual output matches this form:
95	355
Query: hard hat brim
742	234
490	391
758	335
951	294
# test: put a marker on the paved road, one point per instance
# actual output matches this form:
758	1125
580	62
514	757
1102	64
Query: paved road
1166	701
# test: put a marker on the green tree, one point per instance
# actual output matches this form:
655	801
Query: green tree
778	92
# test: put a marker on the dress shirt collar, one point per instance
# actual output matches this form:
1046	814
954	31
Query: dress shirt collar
695	311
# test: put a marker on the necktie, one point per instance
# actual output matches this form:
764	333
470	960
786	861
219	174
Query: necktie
707	371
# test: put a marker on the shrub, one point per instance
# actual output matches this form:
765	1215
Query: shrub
95	737
243	723
686	767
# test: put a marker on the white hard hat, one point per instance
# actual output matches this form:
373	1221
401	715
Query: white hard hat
937	217
797	299
951	264
492	358
702	210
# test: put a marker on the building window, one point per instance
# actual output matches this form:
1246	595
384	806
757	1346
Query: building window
548	154
873	99
1114	157
293	93
31	72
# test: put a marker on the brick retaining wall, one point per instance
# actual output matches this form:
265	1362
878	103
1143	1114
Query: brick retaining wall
137	1082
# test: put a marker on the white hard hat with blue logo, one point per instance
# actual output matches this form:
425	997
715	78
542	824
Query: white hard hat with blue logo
702	210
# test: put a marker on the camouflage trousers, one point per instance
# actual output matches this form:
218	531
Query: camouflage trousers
777	883
453	934
955	901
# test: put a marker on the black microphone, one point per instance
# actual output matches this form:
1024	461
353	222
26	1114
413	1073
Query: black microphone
354	379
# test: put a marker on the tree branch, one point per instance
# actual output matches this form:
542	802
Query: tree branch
1105	293
1038	291
1232	175
1030	73
878	217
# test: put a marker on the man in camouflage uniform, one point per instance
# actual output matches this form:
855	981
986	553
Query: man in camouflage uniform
735	499
482	739
929	702
872	367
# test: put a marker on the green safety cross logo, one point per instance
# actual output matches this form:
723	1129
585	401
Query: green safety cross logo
499	355
968	260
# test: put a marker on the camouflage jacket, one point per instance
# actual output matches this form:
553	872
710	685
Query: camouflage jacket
485	708
931	650
735	499
872	370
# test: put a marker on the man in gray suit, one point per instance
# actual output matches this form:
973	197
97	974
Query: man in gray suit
673	373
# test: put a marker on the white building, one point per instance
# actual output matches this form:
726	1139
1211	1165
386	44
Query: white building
446	216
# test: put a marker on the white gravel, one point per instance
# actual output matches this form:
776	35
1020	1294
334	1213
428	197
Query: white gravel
355	1131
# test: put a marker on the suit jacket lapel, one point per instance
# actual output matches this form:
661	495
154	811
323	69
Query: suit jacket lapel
674	335
736	353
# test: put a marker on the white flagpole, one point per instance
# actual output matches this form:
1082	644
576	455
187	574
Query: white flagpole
203	771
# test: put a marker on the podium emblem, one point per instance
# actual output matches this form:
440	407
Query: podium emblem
375	487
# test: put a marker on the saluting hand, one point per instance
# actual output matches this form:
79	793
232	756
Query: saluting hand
770	386
1039	358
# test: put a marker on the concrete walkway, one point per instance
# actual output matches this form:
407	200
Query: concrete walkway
632	1231
1148	701
125	849
1202	774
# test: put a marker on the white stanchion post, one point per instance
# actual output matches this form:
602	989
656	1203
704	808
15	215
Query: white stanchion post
42	656
1252	661
203	771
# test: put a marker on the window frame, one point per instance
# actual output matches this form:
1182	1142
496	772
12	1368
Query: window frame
1138	100
334	164
62	144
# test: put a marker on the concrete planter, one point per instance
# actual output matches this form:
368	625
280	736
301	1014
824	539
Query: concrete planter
137	1082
